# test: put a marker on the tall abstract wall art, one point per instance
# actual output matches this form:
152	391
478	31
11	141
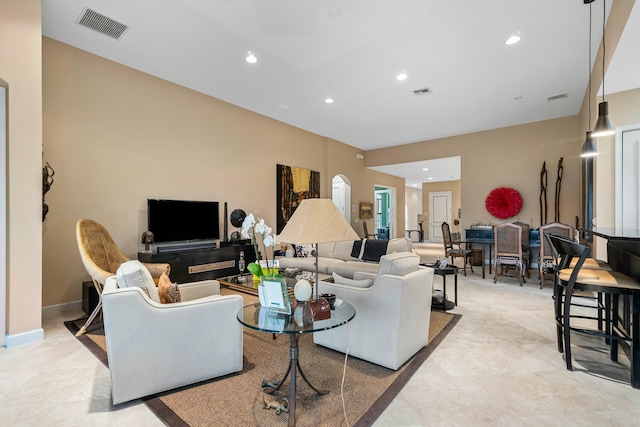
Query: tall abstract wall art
294	185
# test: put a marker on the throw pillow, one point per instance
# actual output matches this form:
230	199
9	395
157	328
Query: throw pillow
168	292
374	249
134	273
341	280
305	251
358	248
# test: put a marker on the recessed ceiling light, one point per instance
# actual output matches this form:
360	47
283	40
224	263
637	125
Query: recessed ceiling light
328	101
334	12
425	169
430	178
513	39
251	58
401	77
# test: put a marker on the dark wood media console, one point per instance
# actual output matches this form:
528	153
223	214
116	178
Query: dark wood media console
192	265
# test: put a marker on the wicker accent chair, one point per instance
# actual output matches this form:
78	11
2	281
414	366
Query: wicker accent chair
546	261
508	251
453	248
101	258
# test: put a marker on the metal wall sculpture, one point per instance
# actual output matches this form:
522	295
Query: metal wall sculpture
47	181
558	188
543	194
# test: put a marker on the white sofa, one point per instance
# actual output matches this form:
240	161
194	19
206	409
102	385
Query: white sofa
393	312
336	257
153	347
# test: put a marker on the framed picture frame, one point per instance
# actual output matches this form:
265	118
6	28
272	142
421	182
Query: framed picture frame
274	295
366	210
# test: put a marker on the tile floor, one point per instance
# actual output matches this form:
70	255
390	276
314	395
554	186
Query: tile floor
498	367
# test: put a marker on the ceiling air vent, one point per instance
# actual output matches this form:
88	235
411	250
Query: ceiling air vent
423	91
102	24
556	97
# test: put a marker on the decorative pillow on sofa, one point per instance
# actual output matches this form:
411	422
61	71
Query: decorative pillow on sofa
340	280
168	292
369	249
134	273
305	251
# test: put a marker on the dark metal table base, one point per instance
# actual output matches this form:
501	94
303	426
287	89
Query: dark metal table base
294	366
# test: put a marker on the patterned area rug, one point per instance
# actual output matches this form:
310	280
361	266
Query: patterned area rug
237	400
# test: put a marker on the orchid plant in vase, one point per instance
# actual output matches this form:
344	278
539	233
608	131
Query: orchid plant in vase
252	227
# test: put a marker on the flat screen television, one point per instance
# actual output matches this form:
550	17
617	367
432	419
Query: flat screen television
183	220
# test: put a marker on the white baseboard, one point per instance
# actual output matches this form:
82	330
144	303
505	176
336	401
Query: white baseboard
52	311
24	338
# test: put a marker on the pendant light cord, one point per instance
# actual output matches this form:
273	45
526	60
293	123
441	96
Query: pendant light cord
604	48
589	97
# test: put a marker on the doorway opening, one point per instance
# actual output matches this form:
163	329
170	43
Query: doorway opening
341	195
385	211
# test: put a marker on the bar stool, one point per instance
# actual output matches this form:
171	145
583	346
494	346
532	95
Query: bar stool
611	284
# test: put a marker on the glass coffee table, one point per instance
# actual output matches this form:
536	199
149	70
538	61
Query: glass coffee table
256	317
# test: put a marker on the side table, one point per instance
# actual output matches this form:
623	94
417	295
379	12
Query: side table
259	318
444	272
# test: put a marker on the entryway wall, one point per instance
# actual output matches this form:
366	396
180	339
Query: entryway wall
454	188
3	213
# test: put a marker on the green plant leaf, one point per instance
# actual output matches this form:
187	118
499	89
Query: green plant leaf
255	269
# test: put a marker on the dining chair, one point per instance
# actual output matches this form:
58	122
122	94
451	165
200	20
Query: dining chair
508	251
365	228
545	259
453	248
526	249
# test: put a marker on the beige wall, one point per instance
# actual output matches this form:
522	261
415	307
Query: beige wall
21	69
116	136
454	187
509	157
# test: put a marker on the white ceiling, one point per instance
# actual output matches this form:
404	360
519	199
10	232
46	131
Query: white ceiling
352	50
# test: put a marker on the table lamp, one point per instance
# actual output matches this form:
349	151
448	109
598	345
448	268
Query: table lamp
316	221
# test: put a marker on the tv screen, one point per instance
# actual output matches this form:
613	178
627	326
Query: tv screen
180	220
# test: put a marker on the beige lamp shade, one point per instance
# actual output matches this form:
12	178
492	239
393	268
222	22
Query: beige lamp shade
317	221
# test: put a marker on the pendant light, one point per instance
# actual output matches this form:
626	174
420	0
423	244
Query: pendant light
589	146
603	124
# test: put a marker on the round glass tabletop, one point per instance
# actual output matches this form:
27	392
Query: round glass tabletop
255	316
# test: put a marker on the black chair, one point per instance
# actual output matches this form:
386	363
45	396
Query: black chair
366	231
612	285
453	248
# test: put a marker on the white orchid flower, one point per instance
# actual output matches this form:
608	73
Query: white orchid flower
261	226
269	240
248	223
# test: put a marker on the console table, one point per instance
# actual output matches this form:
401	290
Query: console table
484	237
193	265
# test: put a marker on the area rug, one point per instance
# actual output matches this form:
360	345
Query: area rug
237	400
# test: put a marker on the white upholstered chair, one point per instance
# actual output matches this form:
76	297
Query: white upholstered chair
393	311
153	347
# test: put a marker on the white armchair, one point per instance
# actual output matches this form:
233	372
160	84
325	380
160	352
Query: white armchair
153	347
393	310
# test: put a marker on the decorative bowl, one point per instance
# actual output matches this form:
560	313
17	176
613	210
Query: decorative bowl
331	299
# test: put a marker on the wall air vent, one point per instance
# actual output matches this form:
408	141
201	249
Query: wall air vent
102	24
423	91
556	97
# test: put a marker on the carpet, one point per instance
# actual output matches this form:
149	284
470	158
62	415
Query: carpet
236	400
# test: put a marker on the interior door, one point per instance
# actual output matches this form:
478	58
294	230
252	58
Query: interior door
439	212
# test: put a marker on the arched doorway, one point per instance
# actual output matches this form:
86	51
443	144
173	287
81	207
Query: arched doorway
341	195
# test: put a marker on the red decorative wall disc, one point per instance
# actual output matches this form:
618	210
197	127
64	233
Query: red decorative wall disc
503	202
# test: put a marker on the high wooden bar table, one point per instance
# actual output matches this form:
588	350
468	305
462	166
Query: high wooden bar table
623	255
